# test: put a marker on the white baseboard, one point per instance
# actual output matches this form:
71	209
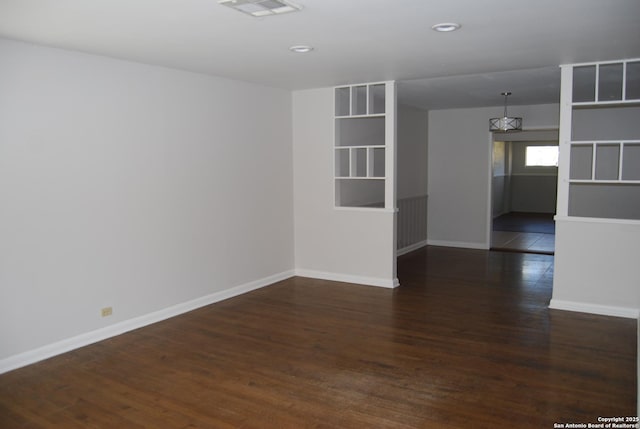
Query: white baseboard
461	244
411	248
59	347
348	278
604	310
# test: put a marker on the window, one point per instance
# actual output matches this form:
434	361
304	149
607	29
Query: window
541	156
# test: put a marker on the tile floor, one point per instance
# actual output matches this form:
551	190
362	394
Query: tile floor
523	241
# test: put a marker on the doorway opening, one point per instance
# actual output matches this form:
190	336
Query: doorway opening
524	191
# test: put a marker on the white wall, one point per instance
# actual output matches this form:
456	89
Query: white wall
533	189
344	244
596	266
412	178
500	181
412	151
132	186
459	173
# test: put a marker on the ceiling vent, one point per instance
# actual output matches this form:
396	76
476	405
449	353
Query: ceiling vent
261	7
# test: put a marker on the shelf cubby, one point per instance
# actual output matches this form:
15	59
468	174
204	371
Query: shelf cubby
631	162
359	100
343	101
376	162
360	131
359	193
376	99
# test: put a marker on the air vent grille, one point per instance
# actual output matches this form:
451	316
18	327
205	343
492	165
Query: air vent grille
261	7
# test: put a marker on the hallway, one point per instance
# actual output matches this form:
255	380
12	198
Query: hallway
524	232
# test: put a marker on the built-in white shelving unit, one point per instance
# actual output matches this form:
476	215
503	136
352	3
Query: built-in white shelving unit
363	149
598	212
600	141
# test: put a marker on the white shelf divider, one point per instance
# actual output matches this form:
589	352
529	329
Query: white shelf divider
355	161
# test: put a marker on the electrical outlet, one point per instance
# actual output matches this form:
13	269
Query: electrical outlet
107	311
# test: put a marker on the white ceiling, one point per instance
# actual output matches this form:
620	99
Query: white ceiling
528	86
503	44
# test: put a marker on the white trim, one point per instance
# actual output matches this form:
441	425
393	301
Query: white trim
564	137
489	206
365	209
411	248
390	141
593	63
605	310
592	142
548	173
620	102
348	85
611	221
514	137
359	178
366	115
68	344
364	146
555	127
462	244
348	278
605	182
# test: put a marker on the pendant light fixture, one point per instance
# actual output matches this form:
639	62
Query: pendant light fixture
506	123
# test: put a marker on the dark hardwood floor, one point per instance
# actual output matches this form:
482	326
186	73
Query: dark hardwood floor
525	222
466	341
524	232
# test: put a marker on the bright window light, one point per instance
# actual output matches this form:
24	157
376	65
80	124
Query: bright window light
541	156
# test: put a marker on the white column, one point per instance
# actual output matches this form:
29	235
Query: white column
391	105
566	89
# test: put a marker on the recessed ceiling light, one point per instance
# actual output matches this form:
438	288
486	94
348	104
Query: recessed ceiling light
301	49
445	27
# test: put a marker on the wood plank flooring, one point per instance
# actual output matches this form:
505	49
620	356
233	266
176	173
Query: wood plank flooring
524	232
466	341
530	242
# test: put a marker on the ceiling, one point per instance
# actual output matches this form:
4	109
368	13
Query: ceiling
528	86
502	45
